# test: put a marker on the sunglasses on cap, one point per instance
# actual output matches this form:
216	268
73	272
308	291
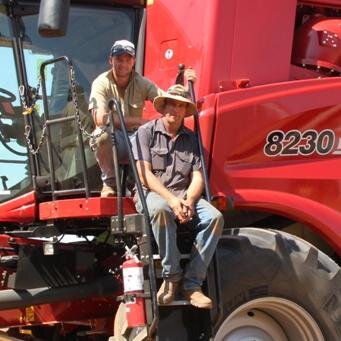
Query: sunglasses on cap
121	49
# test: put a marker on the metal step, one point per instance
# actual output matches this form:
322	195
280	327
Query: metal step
158	267
178	302
183	256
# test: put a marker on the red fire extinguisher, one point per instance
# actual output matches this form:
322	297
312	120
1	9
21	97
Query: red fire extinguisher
132	269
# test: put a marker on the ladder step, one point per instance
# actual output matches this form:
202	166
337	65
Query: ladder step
183	256
158	268
60	120
176	303
73	191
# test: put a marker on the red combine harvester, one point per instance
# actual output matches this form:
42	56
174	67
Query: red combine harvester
269	93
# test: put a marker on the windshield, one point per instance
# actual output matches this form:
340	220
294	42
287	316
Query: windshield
91	32
14	172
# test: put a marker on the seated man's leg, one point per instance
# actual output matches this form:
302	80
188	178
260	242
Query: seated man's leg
105	161
208	225
124	158
121	146
164	230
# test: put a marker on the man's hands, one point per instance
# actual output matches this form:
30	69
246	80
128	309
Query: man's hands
190	75
183	209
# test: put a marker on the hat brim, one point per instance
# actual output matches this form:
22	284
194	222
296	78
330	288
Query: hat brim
159	104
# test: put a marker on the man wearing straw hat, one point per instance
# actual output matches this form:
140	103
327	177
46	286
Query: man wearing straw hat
169	167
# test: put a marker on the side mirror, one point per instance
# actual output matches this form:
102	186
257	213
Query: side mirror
53	18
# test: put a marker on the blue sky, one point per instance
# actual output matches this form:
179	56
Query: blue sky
8	81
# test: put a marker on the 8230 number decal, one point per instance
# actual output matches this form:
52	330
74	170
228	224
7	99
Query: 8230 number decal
295	142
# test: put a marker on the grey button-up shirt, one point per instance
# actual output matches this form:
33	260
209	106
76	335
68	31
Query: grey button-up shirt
172	161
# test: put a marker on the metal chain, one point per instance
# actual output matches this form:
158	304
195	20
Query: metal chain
92	137
27	134
28	110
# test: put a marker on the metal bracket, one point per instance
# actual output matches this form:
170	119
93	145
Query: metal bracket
132	223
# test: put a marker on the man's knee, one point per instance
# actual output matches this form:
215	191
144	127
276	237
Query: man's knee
160	209
218	222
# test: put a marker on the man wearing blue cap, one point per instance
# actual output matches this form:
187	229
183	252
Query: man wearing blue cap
131	90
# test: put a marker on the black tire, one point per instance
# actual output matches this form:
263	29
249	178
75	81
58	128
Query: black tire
273	275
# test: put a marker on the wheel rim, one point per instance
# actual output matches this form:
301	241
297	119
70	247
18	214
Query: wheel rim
269	319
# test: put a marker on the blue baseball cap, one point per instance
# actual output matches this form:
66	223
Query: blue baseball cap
121	47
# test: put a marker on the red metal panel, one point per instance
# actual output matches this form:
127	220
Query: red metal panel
83	208
173	36
324	220
223	40
71	311
19	210
244	120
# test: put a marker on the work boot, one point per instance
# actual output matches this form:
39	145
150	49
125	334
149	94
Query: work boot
167	291
197	298
108	191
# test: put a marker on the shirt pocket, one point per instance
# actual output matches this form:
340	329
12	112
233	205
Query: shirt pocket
184	166
136	107
159	158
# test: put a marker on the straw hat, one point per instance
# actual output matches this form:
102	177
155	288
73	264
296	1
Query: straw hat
179	93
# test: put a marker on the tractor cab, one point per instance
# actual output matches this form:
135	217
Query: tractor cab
30	56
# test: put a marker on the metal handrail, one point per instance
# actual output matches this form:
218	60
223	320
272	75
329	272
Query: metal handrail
200	145
148	228
49	122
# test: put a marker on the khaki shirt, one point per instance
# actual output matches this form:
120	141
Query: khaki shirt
172	161
139	89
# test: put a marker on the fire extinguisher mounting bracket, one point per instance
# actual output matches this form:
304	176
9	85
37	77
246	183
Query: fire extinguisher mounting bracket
132	223
131	297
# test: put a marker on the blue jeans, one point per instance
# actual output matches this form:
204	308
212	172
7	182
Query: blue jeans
104	153
207	224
